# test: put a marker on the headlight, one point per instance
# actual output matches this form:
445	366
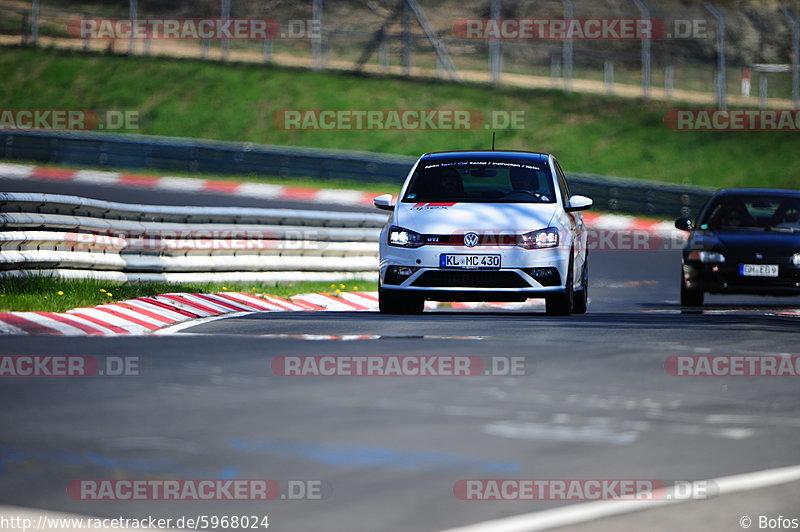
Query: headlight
404	238
796	259
544	238
706	256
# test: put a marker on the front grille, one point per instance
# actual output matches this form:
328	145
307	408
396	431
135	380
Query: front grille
486	239
750	258
470	279
728	273
784	281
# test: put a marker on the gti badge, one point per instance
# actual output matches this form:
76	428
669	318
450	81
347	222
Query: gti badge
471	240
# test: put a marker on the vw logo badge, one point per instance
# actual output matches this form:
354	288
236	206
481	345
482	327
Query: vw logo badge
471	240
759	256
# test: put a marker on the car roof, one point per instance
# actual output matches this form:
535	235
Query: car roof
757	191
505	155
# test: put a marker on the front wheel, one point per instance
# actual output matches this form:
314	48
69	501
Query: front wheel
690	297
580	303
561	304
399	303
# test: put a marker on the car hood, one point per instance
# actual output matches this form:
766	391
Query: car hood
445	218
767	242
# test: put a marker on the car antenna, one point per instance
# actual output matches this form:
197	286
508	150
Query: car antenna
492	140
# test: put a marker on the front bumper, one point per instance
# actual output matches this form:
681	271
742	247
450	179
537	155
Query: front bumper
725	278
523	274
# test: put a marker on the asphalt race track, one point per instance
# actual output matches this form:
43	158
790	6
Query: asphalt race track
595	402
159	197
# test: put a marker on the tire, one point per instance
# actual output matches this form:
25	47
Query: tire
398	303
561	304
691	297
580	302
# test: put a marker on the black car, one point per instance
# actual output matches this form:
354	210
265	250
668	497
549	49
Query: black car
746	241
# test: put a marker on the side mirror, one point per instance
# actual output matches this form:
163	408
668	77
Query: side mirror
384	202
578	203
684	224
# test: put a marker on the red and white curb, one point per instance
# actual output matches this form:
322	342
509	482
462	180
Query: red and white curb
609	222
176	311
142	315
187	184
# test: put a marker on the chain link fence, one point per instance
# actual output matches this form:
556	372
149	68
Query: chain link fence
700	53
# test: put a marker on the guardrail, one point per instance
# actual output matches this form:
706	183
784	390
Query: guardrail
72	237
630	196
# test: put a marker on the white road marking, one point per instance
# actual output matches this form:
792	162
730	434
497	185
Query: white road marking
581	513
551	432
172	329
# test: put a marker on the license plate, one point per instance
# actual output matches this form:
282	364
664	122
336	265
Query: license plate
469	261
758	270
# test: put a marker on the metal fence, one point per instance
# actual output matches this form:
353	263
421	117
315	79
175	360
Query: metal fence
630	196
700	52
73	237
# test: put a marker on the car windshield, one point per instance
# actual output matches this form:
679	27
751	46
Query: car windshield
482	182
753	213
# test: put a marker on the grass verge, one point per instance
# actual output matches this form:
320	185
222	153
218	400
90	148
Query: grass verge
44	294
238	101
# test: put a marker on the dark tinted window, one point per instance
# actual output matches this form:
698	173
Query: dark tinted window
482	182
732	212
